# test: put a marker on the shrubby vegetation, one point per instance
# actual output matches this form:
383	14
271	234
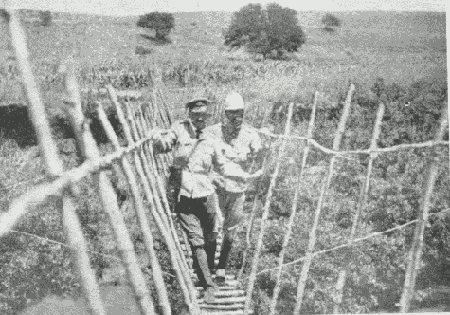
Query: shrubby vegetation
331	22
46	18
378	264
34	267
263	31
376	276
160	22
4	14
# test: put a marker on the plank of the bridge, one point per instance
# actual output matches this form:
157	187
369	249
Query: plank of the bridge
229	298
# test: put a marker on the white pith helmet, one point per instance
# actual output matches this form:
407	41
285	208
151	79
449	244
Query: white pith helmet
234	101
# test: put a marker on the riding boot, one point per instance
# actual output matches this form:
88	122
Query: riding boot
204	273
211	253
223	261
225	253
194	260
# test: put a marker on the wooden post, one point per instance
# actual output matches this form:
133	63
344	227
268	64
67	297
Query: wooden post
362	201
249	226
107	194
287	236
142	217
266	208
326	183
414	256
54	167
158	214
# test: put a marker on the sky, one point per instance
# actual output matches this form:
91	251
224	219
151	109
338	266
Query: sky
137	7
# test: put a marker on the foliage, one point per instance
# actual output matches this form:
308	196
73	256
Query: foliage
331	22
161	22
375	282
263	31
141	50
4	15
33	268
45	17
377	264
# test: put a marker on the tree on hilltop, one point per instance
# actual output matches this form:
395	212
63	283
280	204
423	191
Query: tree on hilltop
265	30
161	22
45	17
331	22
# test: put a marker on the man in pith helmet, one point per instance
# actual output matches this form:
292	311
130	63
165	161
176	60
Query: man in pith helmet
194	157
240	143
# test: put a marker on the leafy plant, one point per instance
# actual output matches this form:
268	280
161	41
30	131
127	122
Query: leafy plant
46	18
161	22
331	22
270	32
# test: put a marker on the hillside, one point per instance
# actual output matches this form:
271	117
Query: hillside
405	48
109	37
399	46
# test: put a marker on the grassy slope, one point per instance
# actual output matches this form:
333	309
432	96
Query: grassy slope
362	33
399	46
402	47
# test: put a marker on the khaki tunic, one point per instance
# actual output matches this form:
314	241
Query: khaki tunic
236	151
196	158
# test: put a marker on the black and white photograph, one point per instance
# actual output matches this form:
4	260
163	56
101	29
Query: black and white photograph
203	157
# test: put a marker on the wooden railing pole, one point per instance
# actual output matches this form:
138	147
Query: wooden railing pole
158	214
287	236
53	164
266	208
147	160
162	204
362	201
326	183
107	194
414	255
54	168
249	227
142	217
146	155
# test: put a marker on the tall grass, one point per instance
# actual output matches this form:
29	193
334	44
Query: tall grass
326	64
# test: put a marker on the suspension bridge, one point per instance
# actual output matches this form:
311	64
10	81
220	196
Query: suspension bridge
145	176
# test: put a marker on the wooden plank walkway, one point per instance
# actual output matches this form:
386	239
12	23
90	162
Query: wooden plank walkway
229	298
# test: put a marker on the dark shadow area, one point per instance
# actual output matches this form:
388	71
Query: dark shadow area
157	41
4	203
116	300
16	124
328	29
142	50
97	128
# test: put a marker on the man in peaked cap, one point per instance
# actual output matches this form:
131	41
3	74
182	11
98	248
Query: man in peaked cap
181	140
194	157
182	136
239	144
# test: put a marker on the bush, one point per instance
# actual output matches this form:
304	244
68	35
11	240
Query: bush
46	18
263	31
377	266
331	22
161	22
141	50
4	15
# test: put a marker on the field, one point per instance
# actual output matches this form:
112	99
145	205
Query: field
402	47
